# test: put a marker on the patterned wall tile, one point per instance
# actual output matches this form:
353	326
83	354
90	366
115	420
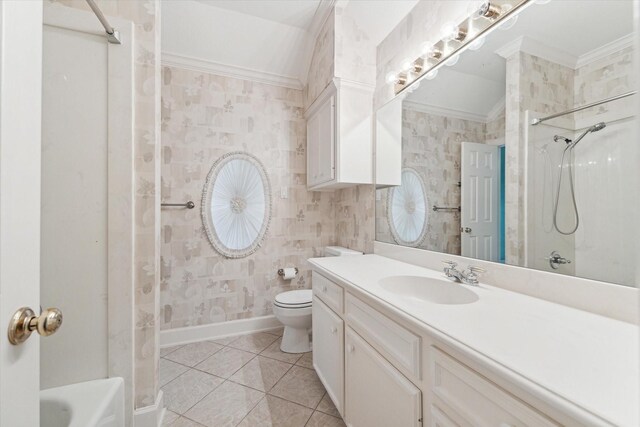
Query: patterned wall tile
203	117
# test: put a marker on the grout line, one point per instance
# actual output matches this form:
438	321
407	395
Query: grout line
247	414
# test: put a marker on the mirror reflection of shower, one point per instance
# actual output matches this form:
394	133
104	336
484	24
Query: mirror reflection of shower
571	160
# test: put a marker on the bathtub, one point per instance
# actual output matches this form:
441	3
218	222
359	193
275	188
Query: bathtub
97	403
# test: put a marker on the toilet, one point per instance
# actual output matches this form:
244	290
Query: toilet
293	310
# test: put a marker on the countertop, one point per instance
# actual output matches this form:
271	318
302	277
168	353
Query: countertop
584	358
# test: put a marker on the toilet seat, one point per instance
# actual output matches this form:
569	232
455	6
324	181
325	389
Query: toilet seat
294	299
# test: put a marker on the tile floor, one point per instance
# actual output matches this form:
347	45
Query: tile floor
243	381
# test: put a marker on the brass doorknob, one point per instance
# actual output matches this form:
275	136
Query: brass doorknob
25	321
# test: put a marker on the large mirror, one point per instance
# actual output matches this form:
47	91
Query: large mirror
509	173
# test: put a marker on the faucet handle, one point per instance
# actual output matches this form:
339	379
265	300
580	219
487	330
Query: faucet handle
450	264
476	270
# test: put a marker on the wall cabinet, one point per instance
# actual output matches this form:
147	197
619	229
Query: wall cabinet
328	351
339	137
377	394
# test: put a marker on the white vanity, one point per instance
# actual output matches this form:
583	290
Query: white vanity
399	345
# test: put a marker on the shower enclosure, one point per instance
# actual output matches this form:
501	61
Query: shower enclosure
581	169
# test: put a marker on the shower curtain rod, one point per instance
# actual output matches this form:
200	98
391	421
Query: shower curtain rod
113	36
584	107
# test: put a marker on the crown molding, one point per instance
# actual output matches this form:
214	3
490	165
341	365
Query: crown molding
206	66
444	112
541	50
605	50
558	56
495	112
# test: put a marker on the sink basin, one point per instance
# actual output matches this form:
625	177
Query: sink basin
428	289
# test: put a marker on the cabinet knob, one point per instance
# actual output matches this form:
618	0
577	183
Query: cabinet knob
334	330
350	348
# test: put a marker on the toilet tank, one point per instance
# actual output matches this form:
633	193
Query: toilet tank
339	251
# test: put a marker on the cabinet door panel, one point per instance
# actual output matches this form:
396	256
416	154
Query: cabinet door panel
321	144
328	351
376	393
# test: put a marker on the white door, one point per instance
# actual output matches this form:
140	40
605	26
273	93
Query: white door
480	201
20	99
328	351
376	393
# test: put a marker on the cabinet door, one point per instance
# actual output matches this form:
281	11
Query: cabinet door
376	393
328	351
321	143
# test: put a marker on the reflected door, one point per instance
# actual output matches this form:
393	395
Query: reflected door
480	201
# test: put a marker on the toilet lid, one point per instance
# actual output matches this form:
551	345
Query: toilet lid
294	299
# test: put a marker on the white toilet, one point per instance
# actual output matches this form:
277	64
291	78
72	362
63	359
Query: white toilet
293	310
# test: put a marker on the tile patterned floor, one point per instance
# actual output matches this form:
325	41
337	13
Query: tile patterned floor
243	381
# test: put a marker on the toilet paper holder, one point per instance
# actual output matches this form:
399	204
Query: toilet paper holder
281	271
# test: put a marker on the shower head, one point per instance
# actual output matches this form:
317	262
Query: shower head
594	128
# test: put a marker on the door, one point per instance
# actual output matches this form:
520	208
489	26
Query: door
20	99
376	393
479	222
328	351
321	142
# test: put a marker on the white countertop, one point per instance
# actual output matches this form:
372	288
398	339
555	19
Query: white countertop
587	359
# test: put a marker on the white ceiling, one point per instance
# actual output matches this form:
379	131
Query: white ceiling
270	37
572	29
296	13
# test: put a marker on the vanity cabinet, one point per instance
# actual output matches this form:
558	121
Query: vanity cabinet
472	400
339	137
381	371
377	394
328	351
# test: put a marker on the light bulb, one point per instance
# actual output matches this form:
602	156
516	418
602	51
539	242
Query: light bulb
431	75
429	51
391	77
506	25
406	65
477	43
489	10
452	61
450	31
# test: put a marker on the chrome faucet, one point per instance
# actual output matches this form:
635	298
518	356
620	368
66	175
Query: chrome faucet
555	260
468	276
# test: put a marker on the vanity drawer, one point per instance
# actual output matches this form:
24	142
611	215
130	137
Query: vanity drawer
398	344
475	401
329	292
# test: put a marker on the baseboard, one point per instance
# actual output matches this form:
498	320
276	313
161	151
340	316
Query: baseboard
191	334
150	416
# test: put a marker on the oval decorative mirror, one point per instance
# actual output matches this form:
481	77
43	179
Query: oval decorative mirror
407	211
236	204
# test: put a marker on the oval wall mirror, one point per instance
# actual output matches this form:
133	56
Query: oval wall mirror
407	211
236	204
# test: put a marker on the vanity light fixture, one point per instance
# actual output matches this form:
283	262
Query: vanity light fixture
452	32
396	78
409	66
430	51
469	34
452	61
477	43
431	75
489	10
